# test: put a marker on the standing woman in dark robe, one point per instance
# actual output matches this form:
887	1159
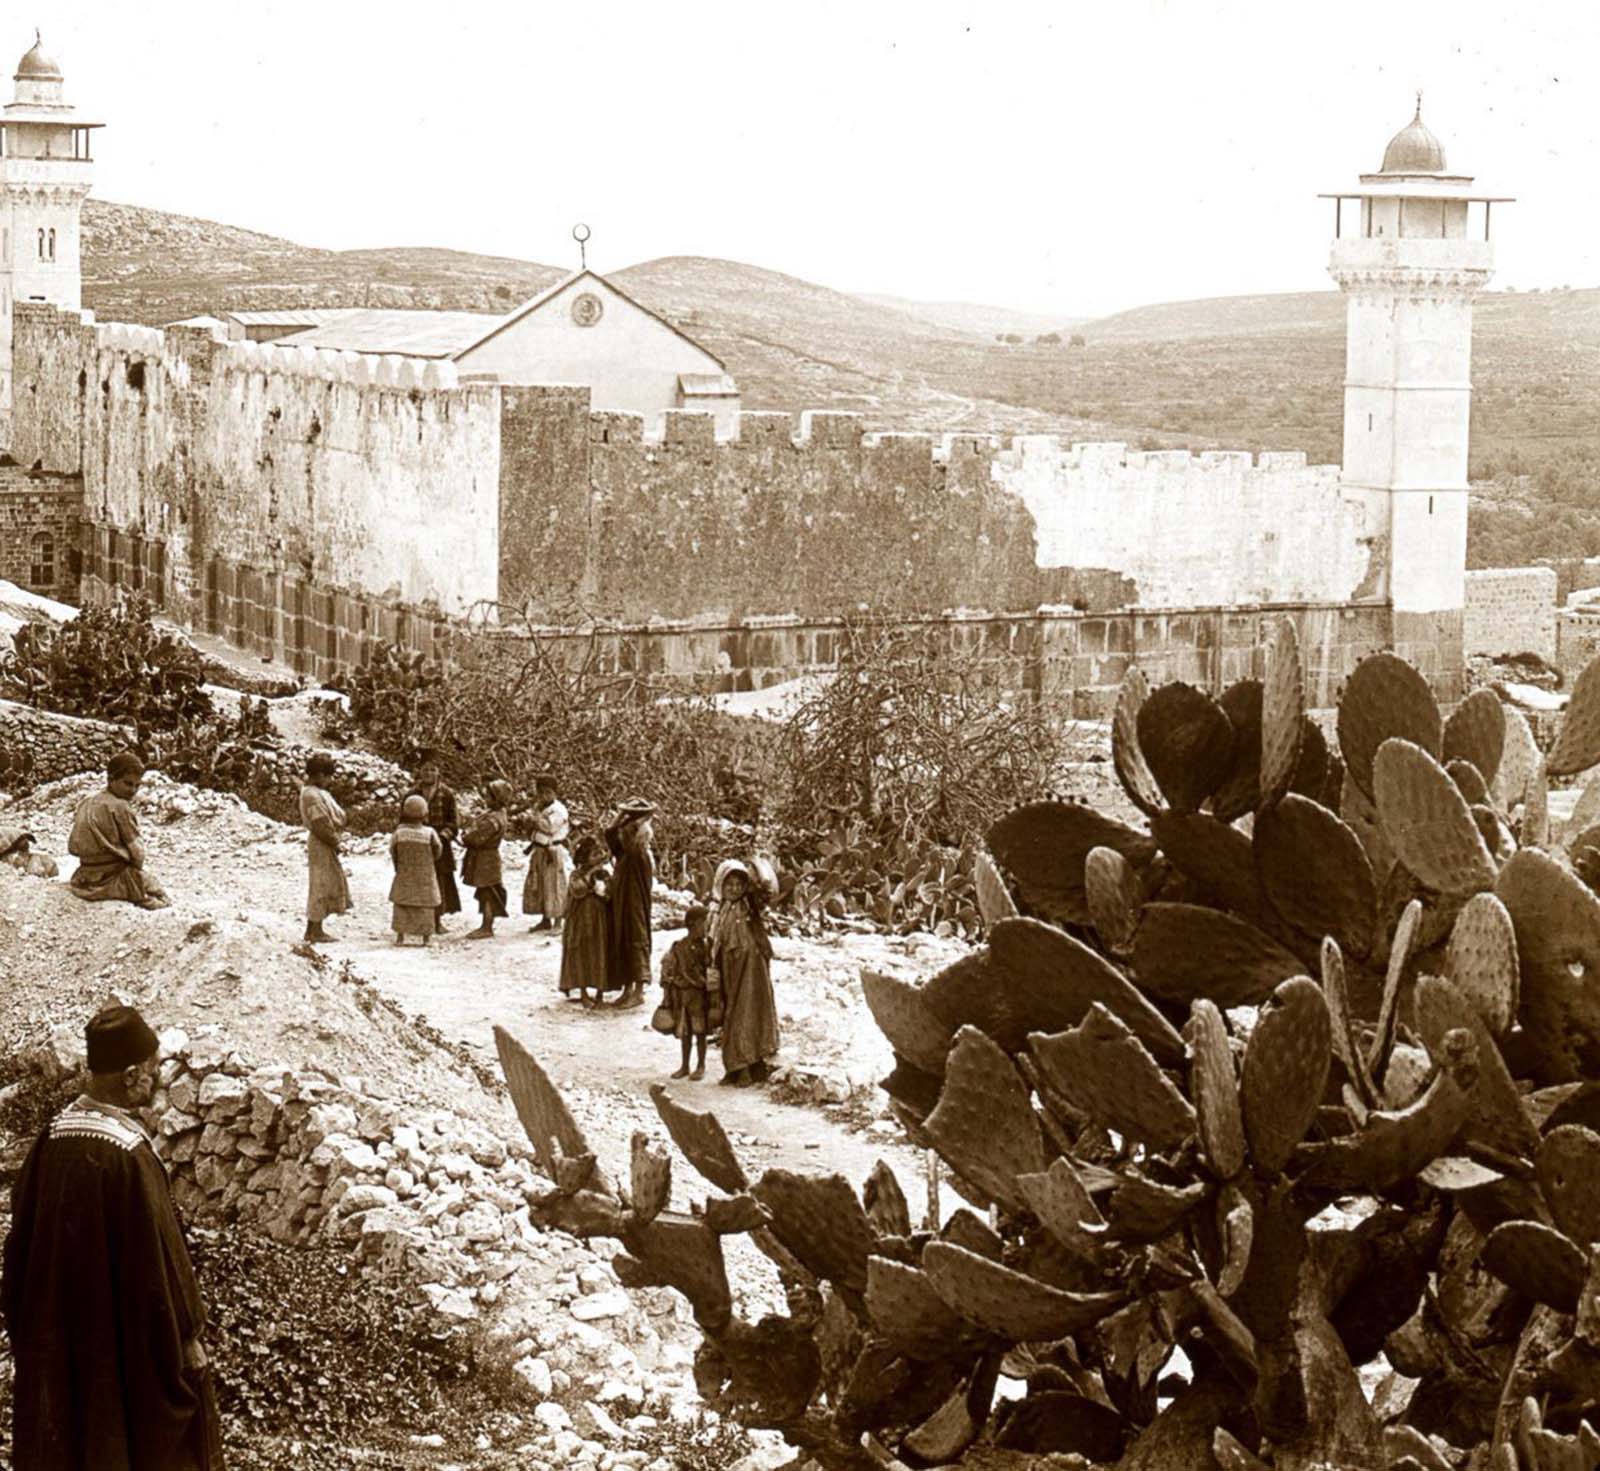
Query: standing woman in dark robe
633	876
444	820
98	1291
741	977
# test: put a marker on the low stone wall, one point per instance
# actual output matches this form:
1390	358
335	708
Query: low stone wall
1511	610
36	746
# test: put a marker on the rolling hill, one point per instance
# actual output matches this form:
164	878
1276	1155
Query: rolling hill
1256	372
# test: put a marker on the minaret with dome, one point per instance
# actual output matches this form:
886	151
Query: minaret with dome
45	171
1410	251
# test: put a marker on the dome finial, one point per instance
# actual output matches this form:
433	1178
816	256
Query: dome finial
1418	117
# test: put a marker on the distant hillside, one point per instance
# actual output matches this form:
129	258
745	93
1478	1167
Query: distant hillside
1255	372
980	320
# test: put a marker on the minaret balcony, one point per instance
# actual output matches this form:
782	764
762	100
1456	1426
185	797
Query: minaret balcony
1399	253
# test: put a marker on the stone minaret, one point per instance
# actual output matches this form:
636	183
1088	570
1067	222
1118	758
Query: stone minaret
1409	265
45	169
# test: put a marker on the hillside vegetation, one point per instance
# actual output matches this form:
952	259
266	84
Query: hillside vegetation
1255	372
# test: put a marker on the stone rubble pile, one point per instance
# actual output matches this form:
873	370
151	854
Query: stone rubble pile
438	1201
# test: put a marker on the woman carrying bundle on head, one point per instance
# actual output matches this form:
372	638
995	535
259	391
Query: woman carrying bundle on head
480	864
586	939
414	850
328	891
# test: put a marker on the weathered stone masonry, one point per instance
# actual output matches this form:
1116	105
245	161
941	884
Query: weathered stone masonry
39	517
310	504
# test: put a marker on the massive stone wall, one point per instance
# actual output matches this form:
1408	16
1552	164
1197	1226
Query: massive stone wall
307	504
379	476
1511	610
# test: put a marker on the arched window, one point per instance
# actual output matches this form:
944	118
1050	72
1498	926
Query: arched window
52	245
41	245
42	569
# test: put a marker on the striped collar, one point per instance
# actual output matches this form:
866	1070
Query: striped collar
86	1118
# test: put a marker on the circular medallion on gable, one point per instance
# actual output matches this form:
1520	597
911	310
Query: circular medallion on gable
587	309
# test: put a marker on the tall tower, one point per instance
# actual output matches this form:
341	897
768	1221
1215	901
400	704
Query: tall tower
1409	262
45	168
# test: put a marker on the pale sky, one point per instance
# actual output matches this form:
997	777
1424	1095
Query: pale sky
1072	158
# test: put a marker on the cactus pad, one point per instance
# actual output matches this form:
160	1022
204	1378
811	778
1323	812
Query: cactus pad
1101	1068
1046	981
903	1015
1346	1041
1557	922
985	1124
1235	1227
1476	732
1534	830
906	1310
1393	1146
1499	1117
1537	1261
1007	1303
1468	782
1059	1198
1285	1071
1185	951
819	1220
1240	790
1384	698
1568	1172
702	1141
1585	813
1213	855
967	1230
545	1118
1482	961
1282	713
1187	742
1042	845
1577	748
994	898
1357	812
1214	1086
1111	889
651	1181
1517	760
1402	943
1127	756
1140	1209
885	1202
1316	873
1427	821
1404	1076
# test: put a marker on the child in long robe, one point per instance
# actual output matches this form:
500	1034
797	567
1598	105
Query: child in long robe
480	865
586	938
443	819
544	892
414	850
328	890
741	978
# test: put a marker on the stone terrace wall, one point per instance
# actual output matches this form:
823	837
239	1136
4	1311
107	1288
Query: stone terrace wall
1511	610
32	505
330	469
36	746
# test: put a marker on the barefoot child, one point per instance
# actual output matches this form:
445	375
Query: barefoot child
480	865
414	850
587	936
683	979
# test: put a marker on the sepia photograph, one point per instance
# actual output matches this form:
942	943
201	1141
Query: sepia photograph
860	737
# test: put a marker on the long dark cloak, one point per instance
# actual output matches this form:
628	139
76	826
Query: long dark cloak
99	1299
633	874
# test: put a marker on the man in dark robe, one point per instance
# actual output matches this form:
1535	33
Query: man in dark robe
633	875
105	841
99	1296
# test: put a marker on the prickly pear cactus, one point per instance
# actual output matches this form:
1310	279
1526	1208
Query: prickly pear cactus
1299	1075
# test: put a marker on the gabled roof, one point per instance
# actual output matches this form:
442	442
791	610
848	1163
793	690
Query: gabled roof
550	292
290	316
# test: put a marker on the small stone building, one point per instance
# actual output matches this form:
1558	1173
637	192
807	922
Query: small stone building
39	516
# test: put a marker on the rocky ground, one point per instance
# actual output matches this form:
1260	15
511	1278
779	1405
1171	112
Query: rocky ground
412	1026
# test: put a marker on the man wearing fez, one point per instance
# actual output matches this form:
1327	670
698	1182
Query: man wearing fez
99	1296
105	841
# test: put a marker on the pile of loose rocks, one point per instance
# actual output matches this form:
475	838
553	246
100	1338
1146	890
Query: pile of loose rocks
435	1200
